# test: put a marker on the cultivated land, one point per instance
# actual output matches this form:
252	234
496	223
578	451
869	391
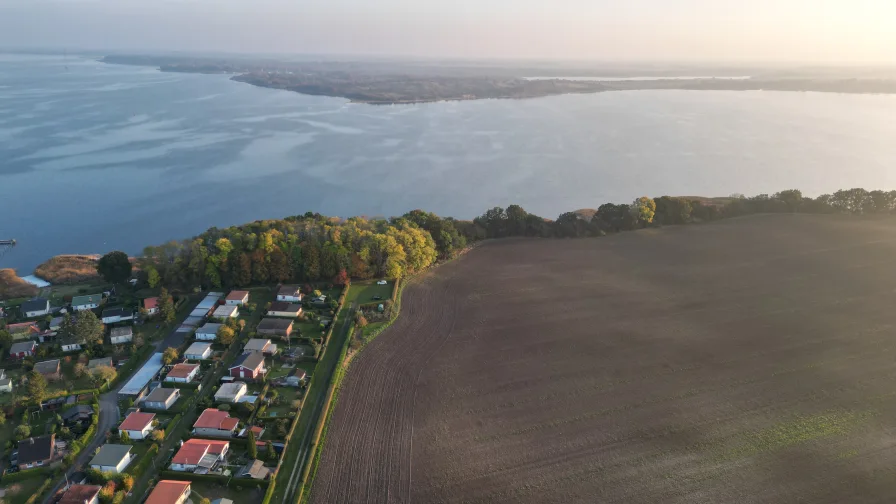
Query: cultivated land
750	360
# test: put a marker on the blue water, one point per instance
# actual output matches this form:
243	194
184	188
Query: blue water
95	157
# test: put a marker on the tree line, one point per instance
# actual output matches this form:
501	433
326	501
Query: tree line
313	247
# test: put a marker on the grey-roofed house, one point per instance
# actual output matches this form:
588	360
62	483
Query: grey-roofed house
5	382
231	392
22	349
208	332
112	458
70	343
274	327
77	413
117	314
161	398
198	351
36	307
102	361
290	294
36	451
50	369
121	335
56	323
260	345
295	377
255	470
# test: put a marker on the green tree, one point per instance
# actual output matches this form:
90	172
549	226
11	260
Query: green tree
87	327
793	198
114	267
643	209
170	355
166	307
103	374
271	453
152	276
23	431
124	437
252	448
5	340
37	388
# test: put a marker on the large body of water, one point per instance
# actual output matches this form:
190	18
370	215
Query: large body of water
95	157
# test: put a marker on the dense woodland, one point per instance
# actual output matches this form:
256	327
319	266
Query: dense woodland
313	247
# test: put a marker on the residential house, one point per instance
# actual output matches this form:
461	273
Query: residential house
274	327
81	494
214	422
296	377
71	343
102	361
237	298
169	492
117	314
227	311
290	294
281	309
249	365
260	345
36	451
198	351
77	413
161	398
151	305
182	373
138	425
5	382
208	332
50	369
23	330
255	469
23	349
36	307
231	392
121	335
112	458
88	302
257	430
199	455
56	323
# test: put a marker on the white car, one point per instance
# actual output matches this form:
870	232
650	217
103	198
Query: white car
382	282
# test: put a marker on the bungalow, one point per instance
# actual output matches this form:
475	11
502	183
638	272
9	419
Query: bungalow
138	424
281	309
23	330
151	305
231	392
227	311
274	327
56	323
112	458
182	373
169	492
197	454
214	422
249	365
36	451
237	298
296	377
208	332
77	413
260	345
88	302
161	398
50	369
198	351
23	349
36	307
102	361
121	335
290	294
71	344
117	314
81	494
5	382
255	470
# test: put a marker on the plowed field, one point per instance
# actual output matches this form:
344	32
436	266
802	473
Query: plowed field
746	361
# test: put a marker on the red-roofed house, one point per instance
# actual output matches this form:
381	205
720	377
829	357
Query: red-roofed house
237	297
23	330
169	492
199	454
214	422
138	425
151	305
81	494
182	373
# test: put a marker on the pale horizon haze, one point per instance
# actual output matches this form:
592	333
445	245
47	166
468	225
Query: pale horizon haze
815	31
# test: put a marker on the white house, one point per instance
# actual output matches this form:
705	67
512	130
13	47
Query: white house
182	373
214	422
118	314
161	398
138	425
37	307
237	298
112	458
151	305
196	453
208	332
284	309
5	382
290	294
72	344
169	492
88	302
231	392
198	351
227	311
121	335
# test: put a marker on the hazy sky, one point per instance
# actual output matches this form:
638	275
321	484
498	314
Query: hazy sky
860	31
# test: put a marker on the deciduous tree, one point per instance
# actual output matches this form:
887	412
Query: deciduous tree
37	388
169	356
114	267
166	307
225	335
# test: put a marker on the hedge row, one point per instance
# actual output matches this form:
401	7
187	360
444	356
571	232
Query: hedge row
214	478
139	468
178	385
40	491
39	472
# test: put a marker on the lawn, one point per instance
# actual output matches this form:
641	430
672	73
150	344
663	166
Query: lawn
20	491
365	292
285	398
307	329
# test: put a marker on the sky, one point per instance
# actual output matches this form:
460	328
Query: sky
817	31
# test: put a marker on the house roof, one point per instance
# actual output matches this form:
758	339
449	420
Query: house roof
288	290
231	389
255	469
137	421
23	327
213	418
77	411
282	306
86	300
150	303
280	324
256	345
5	382
237	295
225	311
102	361
56	322
118	332
210	328
36	304
36	448
198	348
47	367
251	360
192	451
167	491
79	494
118	311
298	373
110	454
25	346
161	394
182	370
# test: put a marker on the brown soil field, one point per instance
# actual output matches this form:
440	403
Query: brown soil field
68	269
745	361
12	286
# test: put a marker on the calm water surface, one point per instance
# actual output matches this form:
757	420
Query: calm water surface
95	157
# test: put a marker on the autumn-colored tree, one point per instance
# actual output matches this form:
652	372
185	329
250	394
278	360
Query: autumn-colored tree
341	278
225	335
104	374
242	270
643	209
157	436
80	370
166	306
37	388
170	355
279	266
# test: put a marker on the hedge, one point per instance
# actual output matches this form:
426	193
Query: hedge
40	491
214	478
172	424
178	385
139	468
26	474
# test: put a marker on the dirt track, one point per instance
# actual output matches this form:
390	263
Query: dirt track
751	360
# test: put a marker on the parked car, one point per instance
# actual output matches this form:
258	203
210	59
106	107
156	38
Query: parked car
382	282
